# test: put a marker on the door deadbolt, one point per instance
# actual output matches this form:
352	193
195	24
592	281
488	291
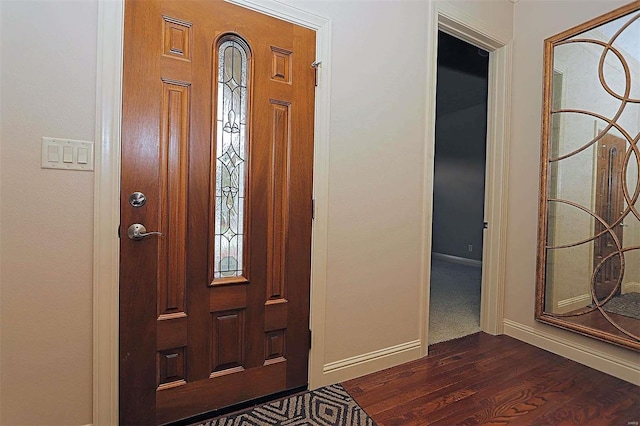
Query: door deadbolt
137	199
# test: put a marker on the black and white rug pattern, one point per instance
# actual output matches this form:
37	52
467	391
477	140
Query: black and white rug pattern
327	406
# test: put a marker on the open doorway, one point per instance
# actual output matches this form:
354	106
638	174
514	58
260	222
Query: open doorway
459	189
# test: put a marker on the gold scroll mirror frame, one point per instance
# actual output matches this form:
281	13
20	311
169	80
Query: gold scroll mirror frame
617	335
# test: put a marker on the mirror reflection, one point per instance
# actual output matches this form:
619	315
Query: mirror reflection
589	274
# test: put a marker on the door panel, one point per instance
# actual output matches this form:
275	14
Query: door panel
193	339
609	206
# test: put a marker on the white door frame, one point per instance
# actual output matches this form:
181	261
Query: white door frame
107	195
447	18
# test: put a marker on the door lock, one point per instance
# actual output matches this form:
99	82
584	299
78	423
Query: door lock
137	199
137	232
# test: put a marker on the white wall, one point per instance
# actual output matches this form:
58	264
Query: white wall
535	21
376	150
47	89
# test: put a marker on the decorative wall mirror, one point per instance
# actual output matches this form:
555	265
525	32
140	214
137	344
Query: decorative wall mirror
588	277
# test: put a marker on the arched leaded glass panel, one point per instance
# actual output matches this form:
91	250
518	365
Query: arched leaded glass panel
231	157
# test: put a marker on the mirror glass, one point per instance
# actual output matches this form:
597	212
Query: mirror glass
589	241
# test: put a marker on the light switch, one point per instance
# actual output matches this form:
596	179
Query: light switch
66	154
53	154
83	155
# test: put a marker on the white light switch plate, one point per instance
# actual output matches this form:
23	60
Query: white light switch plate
66	154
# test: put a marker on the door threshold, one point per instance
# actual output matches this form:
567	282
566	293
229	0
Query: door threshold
237	407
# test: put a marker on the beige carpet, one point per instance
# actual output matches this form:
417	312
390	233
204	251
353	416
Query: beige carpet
454	308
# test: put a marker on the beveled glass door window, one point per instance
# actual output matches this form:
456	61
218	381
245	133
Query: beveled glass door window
231	155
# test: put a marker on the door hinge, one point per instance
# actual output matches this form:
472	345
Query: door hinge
310	339
485	225
315	67
118	231
313	209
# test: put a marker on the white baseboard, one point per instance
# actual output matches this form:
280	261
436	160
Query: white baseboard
360	365
631	287
456	259
590	357
583	300
572	303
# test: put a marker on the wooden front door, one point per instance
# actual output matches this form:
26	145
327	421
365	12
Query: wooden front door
609	206
218	136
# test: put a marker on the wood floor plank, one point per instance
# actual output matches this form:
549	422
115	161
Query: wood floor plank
469	381
437	374
598	404
562	393
497	400
507	365
497	380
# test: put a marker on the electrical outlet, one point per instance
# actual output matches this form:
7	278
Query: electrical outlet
470	247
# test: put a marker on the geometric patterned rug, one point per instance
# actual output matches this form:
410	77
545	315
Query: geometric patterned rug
327	406
627	304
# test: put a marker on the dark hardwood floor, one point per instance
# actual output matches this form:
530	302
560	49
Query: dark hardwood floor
484	379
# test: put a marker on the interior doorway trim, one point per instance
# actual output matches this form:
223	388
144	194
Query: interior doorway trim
449	19
107	195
